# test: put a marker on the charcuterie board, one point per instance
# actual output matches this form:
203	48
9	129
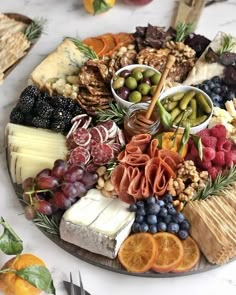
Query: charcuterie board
110	184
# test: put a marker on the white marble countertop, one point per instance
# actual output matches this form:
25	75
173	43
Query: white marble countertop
67	18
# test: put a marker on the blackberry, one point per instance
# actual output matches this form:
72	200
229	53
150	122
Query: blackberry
59	102
29	118
16	116
58	126
45	110
26	103
77	110
62	114
45	96
31	91
40	122
71	104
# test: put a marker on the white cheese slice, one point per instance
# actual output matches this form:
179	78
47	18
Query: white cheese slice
97	224
203	70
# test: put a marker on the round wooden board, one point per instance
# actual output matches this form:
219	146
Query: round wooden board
113	264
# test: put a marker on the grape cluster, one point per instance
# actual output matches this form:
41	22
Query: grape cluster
153	215
56	188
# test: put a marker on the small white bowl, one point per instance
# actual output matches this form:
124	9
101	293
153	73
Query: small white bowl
178	89
120	101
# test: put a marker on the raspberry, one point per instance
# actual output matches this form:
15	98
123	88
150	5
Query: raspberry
230	158
219	158
194	151
213	172
208	154
190	157
209	141
204	133
223	145
205	165
218	131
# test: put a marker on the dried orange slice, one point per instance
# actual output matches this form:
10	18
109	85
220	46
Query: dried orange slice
97	44
138	252
191	256
170	252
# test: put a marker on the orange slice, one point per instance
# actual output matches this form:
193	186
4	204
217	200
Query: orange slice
111	43
191	256
138	252
97	44
170	252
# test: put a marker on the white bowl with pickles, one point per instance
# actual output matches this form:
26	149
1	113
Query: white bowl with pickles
188	104
133	84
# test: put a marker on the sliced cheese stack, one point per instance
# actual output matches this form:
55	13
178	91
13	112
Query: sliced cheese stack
32	149
213	226
203	70
97	224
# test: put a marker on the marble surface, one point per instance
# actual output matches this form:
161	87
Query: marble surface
67	18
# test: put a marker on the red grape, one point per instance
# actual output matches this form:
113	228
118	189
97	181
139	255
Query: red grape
69	190
30	213
74	173
28	184
43	207
43	173
60	201
60	162
26	197
47	182
89	179
80	187
58	171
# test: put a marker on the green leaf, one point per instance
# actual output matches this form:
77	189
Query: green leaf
10	243
184	138
100	6
227	44
86	50
159	138
197	141
39	277
35	29
182	31
165	117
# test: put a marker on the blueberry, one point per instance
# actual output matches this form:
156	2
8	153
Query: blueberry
216	79
183	234
163	212
139	218
161	226
217	85
161	203
207	82
173	228
211	85
172	211
217	90
135	227
151	200
153	209
169	206
141	211
230	95
159	218
184	225
167	219
205	87
144	227
224	89
140	204
153	229
168	198
216	98
151	219
133	208
178	217
217	104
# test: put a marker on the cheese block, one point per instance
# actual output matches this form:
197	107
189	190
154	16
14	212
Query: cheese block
64	61
203	70
97	224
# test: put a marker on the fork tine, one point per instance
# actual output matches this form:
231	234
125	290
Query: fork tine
72	290
82	291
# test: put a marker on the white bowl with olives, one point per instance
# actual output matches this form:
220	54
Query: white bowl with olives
134	83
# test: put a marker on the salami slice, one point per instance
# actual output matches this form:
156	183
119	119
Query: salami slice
86	122
91	167
103	132
81	136
121	137
79	155
78	118
116	147
96	134
102	154
137	159
70	143
74	126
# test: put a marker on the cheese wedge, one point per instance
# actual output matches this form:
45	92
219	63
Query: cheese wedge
97	224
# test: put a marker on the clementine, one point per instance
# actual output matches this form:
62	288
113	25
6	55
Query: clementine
98	6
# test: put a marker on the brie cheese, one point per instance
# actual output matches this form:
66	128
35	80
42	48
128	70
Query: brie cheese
97	224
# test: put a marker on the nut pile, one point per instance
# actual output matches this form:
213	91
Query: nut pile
104	183
188	180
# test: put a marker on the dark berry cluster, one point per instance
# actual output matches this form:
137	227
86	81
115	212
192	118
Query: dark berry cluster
153	215
39	109
218	91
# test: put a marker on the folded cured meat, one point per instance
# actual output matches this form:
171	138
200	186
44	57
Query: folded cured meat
97	224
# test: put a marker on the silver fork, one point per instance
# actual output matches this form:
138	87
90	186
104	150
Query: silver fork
72	286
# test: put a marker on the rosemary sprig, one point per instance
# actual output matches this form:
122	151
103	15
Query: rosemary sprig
86	50
182	31
227	44
115	113
220	183
50	225
35	29
111	166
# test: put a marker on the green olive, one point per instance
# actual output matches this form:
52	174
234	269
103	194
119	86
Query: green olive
118	83
148	73
137	75
131	83
155	78
152	90
135	96
144	88
138	69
